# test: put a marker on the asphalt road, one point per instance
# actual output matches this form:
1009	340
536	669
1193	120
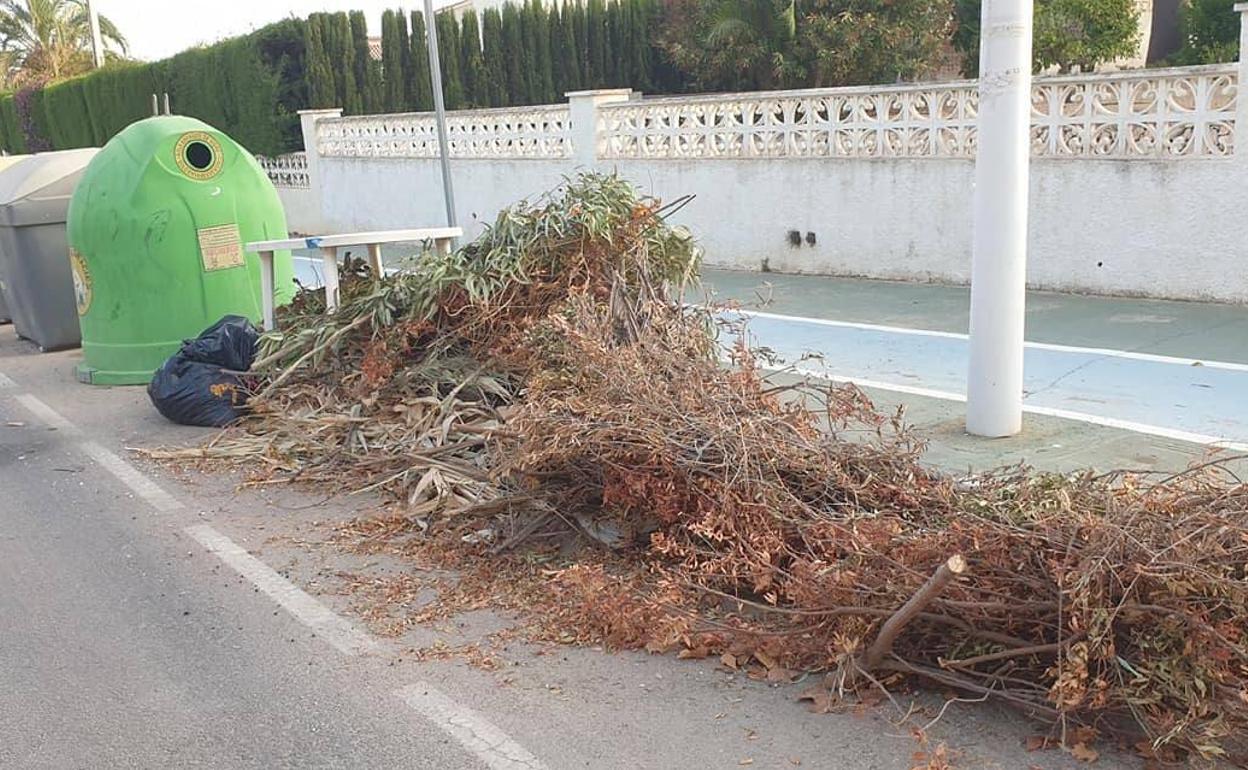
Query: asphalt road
127	640
125	644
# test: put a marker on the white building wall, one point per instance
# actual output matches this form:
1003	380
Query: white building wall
292	177
389	194
1136	193
1102	227
303	210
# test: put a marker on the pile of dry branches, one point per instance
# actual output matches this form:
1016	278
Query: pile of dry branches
546	376
1099	600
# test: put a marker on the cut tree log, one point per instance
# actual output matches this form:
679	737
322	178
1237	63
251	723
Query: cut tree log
953	567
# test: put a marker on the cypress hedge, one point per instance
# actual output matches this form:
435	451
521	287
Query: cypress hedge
249	87
367	71
252	86
392	61
449	55
472	68
419	85
495	80
320	74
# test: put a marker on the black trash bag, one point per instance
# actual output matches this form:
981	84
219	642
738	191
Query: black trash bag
229	343
197	386
194	393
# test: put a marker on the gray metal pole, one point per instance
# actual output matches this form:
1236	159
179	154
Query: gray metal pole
439	107
97	43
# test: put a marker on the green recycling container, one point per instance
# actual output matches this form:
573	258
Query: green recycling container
156	229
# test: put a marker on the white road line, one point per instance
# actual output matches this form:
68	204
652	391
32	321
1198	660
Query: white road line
473	731
6	382
50	416
125	472
1107	352
344	637
1066	414
130	476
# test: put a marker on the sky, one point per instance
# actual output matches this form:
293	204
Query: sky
156	29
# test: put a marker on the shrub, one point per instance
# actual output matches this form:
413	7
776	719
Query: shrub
1066	33
1210	30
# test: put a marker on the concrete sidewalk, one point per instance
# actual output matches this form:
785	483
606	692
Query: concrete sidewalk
1150	385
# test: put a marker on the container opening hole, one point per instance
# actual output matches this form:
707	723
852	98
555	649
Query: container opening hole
199	155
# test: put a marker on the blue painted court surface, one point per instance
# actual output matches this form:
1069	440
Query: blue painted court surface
1192	400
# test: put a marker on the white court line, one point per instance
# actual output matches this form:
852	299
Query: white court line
473	731
126	473
1107	352
47	414
6	381
344	637
1066	414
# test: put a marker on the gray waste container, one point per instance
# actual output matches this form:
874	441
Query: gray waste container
34	256
5	162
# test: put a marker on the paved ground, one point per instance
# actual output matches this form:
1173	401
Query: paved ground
1173	373
154	620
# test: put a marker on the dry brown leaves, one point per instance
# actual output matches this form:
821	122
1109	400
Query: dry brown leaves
775	524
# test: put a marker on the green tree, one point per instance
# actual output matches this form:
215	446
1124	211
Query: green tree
514	58
544	86
597	44
448	54
766	44
1066	33
367	71
640	57
392	62
493	53
347	88
406	59
318	72
528	36
565	51
580	34
1084	33
1210	31
740	45
554	37
49	39
420	84
847	42
472	62
617	43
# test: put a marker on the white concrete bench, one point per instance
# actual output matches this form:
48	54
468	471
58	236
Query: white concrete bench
329	245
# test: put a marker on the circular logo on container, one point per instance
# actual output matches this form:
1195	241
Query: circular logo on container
82	281
198	155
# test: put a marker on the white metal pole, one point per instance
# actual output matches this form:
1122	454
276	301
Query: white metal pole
994	393
439	107
97	43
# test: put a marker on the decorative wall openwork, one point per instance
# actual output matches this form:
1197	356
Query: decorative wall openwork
289	170
1187	112
855	122
524	132
1143	114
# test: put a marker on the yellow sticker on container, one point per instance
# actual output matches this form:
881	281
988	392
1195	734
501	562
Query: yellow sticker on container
221	247
198	155
82	281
